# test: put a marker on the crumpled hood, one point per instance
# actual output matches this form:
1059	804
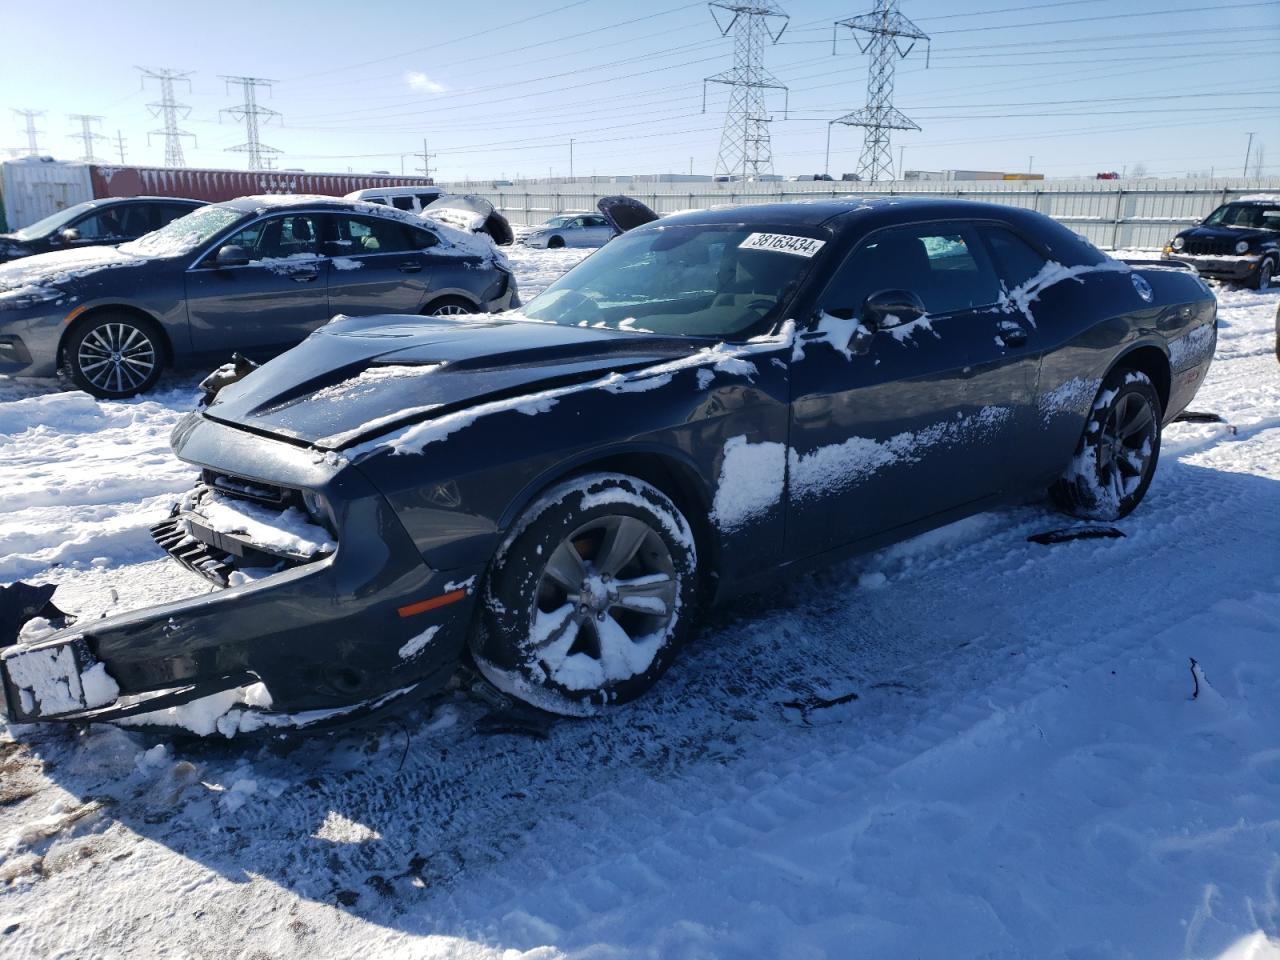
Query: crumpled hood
63	268
356	378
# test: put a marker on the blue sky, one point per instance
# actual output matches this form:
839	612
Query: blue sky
499	88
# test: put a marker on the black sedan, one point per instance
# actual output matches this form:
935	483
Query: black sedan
94	223
707	404
254	275
1239	241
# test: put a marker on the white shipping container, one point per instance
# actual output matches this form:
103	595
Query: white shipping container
34	188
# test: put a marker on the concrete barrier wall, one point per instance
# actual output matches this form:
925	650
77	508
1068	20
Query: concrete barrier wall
1113	214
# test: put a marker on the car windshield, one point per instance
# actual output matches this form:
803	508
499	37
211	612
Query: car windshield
703	281
1250	216
185	234
556	221
55	221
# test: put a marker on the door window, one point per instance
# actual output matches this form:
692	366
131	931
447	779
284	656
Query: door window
103	225
1016	259
402	203
289	236
943	264
363	235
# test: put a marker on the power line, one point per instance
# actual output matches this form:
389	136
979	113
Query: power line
169	108
87	134
249	111
1109	16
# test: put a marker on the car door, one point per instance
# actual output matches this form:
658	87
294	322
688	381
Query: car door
100	227
576	234
898	425
273	301
378	265
597	230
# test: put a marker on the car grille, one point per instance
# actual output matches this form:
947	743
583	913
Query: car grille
266	494
1198	247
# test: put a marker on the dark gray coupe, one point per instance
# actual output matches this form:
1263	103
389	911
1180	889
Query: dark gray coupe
254	275
710	403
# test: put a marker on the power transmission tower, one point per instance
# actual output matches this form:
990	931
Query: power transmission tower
426	160
745	148
120	145
33	145
168	108
87	134
249	112
886	30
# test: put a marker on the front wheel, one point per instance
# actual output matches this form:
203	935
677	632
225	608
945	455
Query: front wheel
1266	275
589	599
115	355
1116	459
555	243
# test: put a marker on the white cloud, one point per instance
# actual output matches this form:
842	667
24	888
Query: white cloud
420	81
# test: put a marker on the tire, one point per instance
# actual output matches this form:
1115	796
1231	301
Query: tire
555	243
1118	452
449	307
115	355
590	596
1266	275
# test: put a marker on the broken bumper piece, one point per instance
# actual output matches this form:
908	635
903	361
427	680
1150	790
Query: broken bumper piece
332	620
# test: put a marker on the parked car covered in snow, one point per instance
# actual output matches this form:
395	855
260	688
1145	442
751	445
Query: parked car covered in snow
255	275
569	230
705	405
95	223
1239	241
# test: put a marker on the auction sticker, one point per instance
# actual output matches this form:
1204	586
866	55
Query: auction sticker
783	243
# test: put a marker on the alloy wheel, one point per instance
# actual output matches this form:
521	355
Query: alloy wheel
450	310
605	590
1126	446
116	357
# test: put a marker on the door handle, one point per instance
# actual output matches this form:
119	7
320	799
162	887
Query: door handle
304	276
410	267
1011	334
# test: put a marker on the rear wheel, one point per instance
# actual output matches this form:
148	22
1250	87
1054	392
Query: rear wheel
588	601
1117	456
449	307
115	355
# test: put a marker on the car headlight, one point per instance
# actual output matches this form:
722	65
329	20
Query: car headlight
20	298
1178	243
1242	246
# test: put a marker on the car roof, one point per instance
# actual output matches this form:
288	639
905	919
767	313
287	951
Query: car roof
839	213
288	201
108	201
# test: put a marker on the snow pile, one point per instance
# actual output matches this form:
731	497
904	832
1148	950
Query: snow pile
287	531
752	476
834	467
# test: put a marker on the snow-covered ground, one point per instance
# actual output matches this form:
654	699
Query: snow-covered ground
1015	767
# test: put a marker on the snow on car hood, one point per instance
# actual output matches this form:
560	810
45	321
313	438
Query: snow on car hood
62	267
358	377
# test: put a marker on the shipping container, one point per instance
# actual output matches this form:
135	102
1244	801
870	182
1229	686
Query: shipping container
36	188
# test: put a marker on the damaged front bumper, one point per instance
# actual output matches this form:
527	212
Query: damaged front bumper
329	620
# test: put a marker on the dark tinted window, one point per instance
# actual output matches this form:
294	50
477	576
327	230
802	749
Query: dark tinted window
1016	259
428	198
942	264
279	237
136	218
102	225
421	239
402	203
370	235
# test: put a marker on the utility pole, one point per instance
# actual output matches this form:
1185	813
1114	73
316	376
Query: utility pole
249	112
33	145
120	145
426	160
87	134
887	29
571	159
745	148
1030	160
169	109
1247	150
902	170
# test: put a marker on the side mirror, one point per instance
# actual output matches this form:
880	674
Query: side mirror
232	255
69	235
891	308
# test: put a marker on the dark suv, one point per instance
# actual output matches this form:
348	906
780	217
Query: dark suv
94	223
1239	241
